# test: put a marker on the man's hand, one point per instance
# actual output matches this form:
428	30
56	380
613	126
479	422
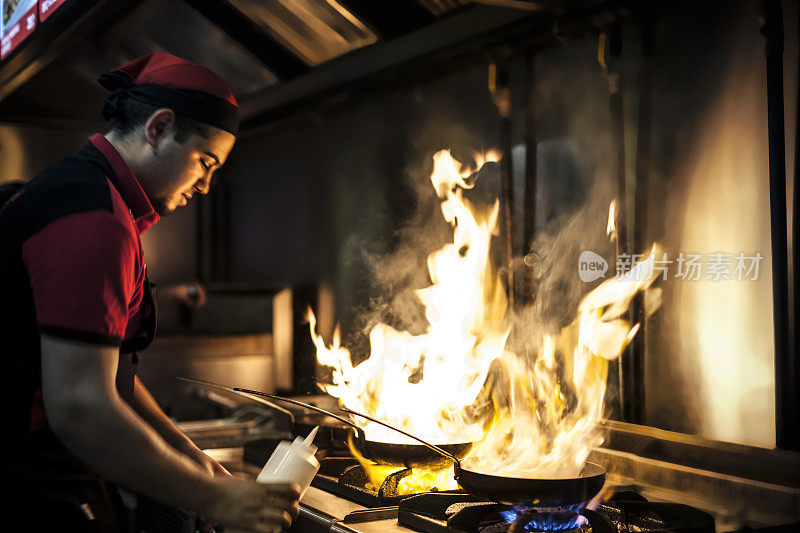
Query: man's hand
255	507
147	407
193	295
200	457
88	416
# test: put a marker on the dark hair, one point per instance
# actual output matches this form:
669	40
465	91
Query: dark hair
134	115
8	190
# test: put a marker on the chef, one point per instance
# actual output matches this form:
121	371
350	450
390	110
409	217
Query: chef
76	305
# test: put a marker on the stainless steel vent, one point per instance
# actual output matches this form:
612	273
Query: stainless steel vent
314	30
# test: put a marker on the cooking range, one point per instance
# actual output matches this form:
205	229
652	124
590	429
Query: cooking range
625	511
342	498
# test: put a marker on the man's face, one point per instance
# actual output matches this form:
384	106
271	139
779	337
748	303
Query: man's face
174	171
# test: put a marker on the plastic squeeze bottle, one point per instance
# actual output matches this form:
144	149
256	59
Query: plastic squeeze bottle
292	462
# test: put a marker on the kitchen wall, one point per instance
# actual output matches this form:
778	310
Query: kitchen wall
322	195
25	151
714	372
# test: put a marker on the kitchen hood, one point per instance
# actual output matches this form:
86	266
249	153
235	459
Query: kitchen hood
276	55
253	45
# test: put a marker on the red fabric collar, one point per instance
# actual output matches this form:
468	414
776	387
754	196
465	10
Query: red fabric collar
132	193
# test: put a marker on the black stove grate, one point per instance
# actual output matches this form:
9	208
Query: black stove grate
654	516
429	512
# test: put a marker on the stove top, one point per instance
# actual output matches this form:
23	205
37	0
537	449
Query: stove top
340	500
344	479
339	506
626	511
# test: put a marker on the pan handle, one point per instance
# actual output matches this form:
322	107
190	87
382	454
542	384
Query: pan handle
359	432
433	447
253	397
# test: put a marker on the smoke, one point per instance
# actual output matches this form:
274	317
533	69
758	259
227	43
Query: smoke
547	280
401	271
575	188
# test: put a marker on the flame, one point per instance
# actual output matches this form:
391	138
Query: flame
416	481
426	383
457	382
611	226
375	473
546	414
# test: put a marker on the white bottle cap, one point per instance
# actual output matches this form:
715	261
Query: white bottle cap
309	440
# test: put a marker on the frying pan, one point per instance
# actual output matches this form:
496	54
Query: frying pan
331	432
387	453
528	492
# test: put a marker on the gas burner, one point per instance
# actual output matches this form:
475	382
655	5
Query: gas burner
496	518
626	511
544	519
344	477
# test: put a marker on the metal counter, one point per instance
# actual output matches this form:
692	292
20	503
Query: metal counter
321	511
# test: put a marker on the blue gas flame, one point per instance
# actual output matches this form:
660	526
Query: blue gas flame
549	518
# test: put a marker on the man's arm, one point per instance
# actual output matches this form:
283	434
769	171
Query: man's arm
86	413
147	407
